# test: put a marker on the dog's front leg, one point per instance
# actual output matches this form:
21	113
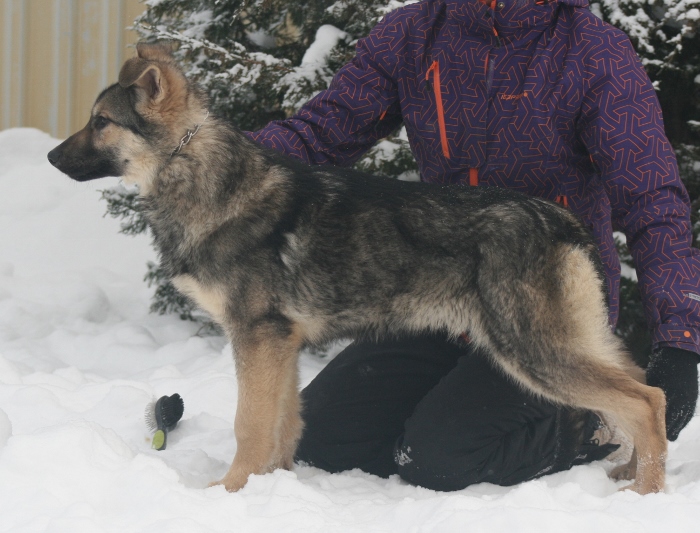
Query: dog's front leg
268	422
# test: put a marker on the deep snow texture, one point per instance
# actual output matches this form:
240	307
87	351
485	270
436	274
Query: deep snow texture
80	358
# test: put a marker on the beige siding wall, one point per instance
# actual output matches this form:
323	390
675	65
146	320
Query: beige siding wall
55	57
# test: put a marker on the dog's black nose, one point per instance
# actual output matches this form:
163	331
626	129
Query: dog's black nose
53	156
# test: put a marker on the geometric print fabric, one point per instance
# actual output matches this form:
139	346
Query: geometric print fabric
545	99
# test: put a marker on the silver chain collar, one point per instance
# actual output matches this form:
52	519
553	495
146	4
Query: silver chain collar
188	136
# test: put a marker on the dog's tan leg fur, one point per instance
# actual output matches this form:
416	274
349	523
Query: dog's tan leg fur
268	422
640	410
290	425
610	382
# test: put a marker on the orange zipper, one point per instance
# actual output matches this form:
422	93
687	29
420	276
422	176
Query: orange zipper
435	69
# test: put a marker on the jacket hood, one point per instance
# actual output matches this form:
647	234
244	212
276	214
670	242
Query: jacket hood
511	17
575	3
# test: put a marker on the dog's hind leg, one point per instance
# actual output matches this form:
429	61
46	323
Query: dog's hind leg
640	411
268	421
557	342
620	385
596	386
627	471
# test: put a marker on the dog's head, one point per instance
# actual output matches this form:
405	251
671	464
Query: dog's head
135	124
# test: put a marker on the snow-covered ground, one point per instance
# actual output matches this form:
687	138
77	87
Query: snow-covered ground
80	358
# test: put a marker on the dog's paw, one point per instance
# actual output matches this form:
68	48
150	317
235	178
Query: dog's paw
649	488
624	472
231	483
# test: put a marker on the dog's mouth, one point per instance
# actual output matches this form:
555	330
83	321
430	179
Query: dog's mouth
83	167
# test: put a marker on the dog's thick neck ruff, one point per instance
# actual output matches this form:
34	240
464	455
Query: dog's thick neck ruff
188	136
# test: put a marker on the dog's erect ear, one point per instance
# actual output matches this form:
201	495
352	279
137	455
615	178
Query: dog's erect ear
144	74
162	51
143	70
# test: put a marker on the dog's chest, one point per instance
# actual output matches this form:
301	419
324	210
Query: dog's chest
209	298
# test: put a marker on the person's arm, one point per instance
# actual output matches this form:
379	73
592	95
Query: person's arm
359	108
621	125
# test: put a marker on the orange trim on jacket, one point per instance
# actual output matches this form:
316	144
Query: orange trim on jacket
473	177
435	70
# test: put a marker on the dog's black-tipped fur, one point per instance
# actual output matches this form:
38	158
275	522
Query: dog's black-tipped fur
284	255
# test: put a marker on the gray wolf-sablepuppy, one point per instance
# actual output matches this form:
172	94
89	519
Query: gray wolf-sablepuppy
285	255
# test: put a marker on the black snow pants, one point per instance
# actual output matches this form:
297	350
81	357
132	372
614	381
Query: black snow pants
435	413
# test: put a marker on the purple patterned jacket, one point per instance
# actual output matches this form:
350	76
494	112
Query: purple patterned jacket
545	99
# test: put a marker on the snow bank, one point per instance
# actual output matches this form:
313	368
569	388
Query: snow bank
80	357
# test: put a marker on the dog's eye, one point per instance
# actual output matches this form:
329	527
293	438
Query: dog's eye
100	122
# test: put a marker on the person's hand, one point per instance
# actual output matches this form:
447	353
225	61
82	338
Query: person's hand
675	371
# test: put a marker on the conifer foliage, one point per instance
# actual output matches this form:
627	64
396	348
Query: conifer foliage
260	60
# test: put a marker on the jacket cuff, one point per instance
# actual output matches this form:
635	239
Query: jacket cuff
676	336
